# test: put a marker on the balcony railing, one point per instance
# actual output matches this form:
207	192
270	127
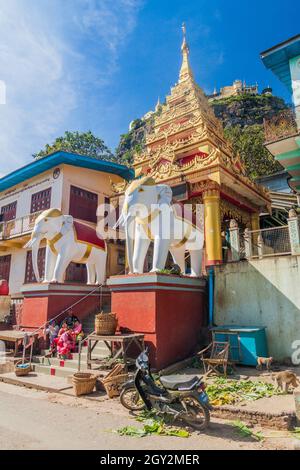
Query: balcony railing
283	125
18	227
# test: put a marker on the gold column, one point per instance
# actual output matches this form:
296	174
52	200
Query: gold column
212	215
255	221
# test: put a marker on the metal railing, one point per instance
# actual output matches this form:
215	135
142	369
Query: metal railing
273	241
16	227
282	125
29	337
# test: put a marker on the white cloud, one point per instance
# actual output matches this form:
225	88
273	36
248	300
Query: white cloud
50	50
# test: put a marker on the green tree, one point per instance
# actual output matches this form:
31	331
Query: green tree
249	143
83	143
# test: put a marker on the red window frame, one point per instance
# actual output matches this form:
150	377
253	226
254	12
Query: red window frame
76	273
9	211
41	201
29	273
83	204
5	264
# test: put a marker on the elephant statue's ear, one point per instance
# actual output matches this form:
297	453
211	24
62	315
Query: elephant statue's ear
67	224
164	194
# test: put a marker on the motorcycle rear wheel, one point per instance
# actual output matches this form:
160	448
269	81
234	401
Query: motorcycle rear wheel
131	399
198	416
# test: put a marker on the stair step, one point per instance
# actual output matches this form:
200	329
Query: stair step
65	372
99	349
55	361
53	370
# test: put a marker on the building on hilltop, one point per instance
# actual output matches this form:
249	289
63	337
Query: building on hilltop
237	88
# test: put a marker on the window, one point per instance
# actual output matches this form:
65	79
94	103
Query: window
5	262
41	201
76	273
8	212
83	204
29	273
121	258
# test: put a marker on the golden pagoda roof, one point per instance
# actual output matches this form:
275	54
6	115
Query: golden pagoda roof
187	140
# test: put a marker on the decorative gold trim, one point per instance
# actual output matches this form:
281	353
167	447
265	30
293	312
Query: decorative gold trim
186	237
53	213
144	181
147	220
51	243
86	254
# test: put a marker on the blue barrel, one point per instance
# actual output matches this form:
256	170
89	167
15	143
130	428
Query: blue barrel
246	342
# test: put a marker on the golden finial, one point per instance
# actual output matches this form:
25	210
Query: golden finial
184	43
185	71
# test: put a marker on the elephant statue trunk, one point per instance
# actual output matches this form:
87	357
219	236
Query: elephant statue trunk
34	244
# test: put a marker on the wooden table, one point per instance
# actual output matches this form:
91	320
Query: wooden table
16	337
118	346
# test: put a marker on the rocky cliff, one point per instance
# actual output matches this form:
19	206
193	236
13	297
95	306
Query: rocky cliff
242	117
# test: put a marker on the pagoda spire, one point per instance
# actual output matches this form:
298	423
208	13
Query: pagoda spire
185	71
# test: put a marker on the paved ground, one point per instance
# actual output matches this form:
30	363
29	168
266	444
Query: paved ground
38	420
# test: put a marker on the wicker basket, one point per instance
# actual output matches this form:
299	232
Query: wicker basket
114	384
22	371
106	324
83	383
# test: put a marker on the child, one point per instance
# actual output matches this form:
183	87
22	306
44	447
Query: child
52	331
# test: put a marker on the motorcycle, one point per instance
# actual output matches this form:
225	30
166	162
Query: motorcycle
177	397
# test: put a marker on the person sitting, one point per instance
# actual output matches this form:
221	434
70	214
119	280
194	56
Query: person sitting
63	328
52	330
65	344
78	331
70	320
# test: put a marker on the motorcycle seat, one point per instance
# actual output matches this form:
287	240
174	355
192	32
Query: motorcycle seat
179	382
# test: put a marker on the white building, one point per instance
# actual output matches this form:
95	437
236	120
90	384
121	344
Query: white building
75	184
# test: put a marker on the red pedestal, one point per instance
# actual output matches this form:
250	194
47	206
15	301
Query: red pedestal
168	310
43	302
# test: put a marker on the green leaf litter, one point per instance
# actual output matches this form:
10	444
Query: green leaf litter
152	425
228	392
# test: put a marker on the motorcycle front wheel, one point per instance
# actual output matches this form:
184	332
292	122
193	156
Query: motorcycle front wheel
131	399
197	415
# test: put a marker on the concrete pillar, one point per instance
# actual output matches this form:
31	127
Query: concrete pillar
234	240
260	246
248	243
255	221
212	217
294	232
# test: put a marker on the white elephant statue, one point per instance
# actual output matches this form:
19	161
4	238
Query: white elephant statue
149	215
67	241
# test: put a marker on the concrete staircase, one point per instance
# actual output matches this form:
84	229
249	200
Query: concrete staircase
65	368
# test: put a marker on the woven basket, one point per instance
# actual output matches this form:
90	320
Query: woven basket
22	371
114	384
106	324
83	383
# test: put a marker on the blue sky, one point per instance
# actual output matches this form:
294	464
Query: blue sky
98	64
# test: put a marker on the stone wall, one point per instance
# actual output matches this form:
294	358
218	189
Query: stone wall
263	292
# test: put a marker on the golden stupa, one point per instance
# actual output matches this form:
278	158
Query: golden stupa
187	150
